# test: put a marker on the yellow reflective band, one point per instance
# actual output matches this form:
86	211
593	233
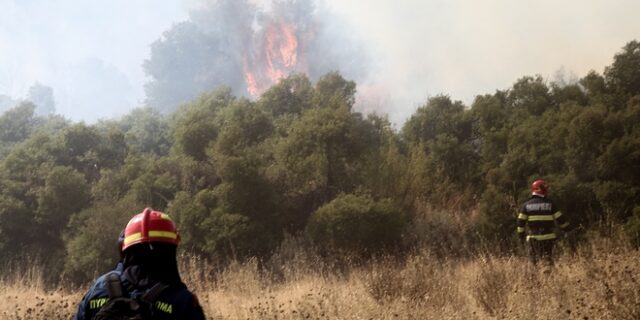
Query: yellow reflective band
152	234
522	216
557	215
165	216
520	230
546	217
163	234
131	238
548	236
564	225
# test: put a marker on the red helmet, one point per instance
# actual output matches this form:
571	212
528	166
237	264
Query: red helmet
539	186
150	226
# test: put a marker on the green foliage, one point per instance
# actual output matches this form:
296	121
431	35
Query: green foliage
444	131
146	131
91	239
496	223
617	199
530	96
385	171
65	192
292	95
16	123
15	220
632	227
332	90
195	126
357	224
238	174
439	116
210	229
624	74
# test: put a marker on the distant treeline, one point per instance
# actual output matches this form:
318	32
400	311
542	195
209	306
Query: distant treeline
238	175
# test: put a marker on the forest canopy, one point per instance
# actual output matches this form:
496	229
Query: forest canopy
237	175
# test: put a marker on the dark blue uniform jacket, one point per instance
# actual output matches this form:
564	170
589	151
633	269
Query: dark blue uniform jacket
175	302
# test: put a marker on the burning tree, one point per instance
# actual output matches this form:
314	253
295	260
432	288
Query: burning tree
246	47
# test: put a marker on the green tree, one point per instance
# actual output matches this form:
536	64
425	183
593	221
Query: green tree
290	96
491	126
146	131
64	193
332	90
530	96
445	130
318	159
624	74
195	126
246	200
17	123
438	116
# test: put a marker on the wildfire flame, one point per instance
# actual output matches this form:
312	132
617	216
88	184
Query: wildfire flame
276	57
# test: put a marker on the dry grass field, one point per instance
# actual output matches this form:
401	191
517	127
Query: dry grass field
599	281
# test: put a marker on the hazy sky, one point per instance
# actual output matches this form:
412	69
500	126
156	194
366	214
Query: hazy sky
90	52
93	50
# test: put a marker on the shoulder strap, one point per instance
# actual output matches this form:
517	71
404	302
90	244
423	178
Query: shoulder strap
152	294
114	285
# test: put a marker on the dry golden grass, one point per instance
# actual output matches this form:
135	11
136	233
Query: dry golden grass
595	283
23	296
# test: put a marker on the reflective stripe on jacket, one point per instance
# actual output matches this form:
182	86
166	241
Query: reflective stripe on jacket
538	218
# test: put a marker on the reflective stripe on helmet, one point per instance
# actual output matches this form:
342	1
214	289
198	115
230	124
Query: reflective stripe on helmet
163	234
134	237
152	234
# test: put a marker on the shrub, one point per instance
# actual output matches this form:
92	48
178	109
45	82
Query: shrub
632	227
356	223
91	242
497	219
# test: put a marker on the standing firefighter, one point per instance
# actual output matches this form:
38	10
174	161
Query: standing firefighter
537	221
147	284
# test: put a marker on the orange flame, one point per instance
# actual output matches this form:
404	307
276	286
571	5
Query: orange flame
277	58
289	49
250	79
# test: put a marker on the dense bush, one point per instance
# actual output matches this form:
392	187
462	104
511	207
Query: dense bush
357	223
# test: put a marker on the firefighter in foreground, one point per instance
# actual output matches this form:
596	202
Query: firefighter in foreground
148	285
537	221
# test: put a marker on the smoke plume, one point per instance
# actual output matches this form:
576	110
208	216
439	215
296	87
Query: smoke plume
248	46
